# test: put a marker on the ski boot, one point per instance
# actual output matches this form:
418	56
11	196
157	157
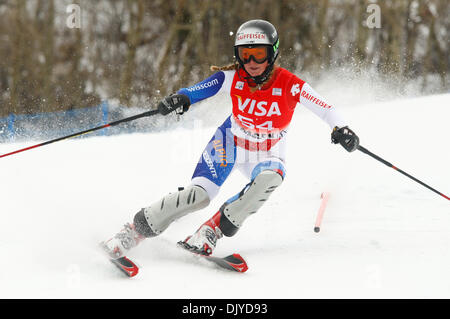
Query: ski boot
122	242
204	240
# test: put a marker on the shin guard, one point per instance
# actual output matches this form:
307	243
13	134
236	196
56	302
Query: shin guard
235	211
153	220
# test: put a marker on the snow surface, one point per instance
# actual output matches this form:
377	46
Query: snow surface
383	235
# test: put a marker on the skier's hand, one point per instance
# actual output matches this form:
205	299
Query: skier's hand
174	102
346	137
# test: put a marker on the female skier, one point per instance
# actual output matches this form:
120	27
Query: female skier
252	139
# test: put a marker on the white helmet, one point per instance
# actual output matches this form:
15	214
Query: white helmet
256	33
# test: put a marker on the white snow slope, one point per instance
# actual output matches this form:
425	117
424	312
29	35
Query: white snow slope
383	235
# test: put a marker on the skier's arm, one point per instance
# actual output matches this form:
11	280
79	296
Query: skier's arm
218	82
318	105
321	107
182	100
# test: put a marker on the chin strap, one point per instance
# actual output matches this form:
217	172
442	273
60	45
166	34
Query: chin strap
260	79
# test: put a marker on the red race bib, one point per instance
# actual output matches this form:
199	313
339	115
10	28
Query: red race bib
266	111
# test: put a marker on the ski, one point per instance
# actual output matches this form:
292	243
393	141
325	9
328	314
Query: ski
128	267
233	262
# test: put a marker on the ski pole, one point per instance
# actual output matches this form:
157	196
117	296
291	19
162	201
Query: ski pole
127	119
366	151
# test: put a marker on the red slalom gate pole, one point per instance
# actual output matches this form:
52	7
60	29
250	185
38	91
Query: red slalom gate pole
325	197
127	119
366	151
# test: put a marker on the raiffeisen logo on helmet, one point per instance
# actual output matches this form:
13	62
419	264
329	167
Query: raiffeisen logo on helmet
251	36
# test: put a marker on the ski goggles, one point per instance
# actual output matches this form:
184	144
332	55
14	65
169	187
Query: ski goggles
259	54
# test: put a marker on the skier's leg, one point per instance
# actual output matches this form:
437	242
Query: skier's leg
217	161
214	167
265	178
154	219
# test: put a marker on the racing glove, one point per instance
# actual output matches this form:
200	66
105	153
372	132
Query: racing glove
174	102
346	137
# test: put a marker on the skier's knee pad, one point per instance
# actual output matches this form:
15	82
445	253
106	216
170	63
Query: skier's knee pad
153	220
247	202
